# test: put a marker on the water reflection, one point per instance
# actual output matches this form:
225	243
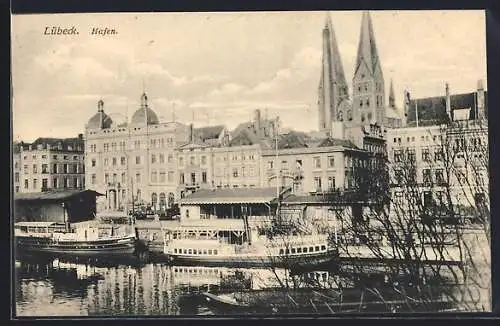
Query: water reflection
56	287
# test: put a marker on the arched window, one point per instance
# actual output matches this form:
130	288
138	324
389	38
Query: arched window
163	200
340	116
170	199
362	117
154	199
369	116
187	213
349	115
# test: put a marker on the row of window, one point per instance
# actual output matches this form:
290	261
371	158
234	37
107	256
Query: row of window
193	178
122	146
192	160
235	157
205	252
55	157
236	172
300	250
298	163
318	186
66	183
56	168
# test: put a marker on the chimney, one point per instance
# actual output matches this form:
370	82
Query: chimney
191	133
481	114
448	102
258	123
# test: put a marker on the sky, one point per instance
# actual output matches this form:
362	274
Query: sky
217	68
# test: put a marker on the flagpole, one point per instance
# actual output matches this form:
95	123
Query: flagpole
416	111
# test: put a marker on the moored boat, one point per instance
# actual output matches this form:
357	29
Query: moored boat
290	252
57	239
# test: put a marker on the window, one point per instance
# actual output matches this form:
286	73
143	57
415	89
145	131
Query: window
162	158
235	172
122	160
122	145
170	158
123	177
106	162
137	144
270	164
181	161
193	178
398	156
26	186
192	160
114	161
204	177
203	160
411	155
106	147
398	176
439	155
35	170
425	154
106	178
137	160
284	165
331	161
35	184
75	182
16	177
66	182
138	177
163	176
427	176
75	168
93	162
181	178
54	183
317	162
170	176
331	183
439	177
154	176
17	189
153	158
45	168
317	183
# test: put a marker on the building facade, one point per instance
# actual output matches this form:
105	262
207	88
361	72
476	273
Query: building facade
442	149
48	164
133	162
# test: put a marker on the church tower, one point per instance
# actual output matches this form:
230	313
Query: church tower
333	92
368	81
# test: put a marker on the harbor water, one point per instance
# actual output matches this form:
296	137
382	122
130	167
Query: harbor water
58	288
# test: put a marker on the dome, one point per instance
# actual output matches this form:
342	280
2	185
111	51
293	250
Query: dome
144	114
100	119
139	116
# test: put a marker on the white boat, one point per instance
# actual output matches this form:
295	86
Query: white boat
290	251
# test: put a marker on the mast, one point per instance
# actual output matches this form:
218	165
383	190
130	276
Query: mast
278	180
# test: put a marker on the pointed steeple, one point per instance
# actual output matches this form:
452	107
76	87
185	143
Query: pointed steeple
392	98
333	87
367	48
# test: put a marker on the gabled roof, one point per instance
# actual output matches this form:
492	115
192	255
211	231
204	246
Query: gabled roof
432	110
74	142
53	195
244	137
209	132
293	139
231	196
329	142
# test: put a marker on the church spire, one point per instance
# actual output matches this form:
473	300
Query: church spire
367	48
332	85
392	99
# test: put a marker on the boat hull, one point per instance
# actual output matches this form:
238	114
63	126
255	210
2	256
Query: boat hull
98	248
254	260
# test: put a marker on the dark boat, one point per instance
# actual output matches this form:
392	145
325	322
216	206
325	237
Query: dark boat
53	238
322	301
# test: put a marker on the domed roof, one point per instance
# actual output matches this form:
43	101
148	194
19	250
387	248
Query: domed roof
144	115
100	119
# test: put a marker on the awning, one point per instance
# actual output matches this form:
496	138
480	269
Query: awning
53	195
35	224
231	196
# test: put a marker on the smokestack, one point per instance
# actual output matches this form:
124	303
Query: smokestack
191	133
258	123
448	102
481	114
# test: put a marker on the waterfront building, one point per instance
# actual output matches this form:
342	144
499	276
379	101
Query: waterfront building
49	163
443	146
134	161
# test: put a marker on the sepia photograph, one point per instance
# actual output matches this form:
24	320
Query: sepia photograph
250	164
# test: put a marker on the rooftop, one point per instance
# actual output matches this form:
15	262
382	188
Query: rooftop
53	195
231	196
